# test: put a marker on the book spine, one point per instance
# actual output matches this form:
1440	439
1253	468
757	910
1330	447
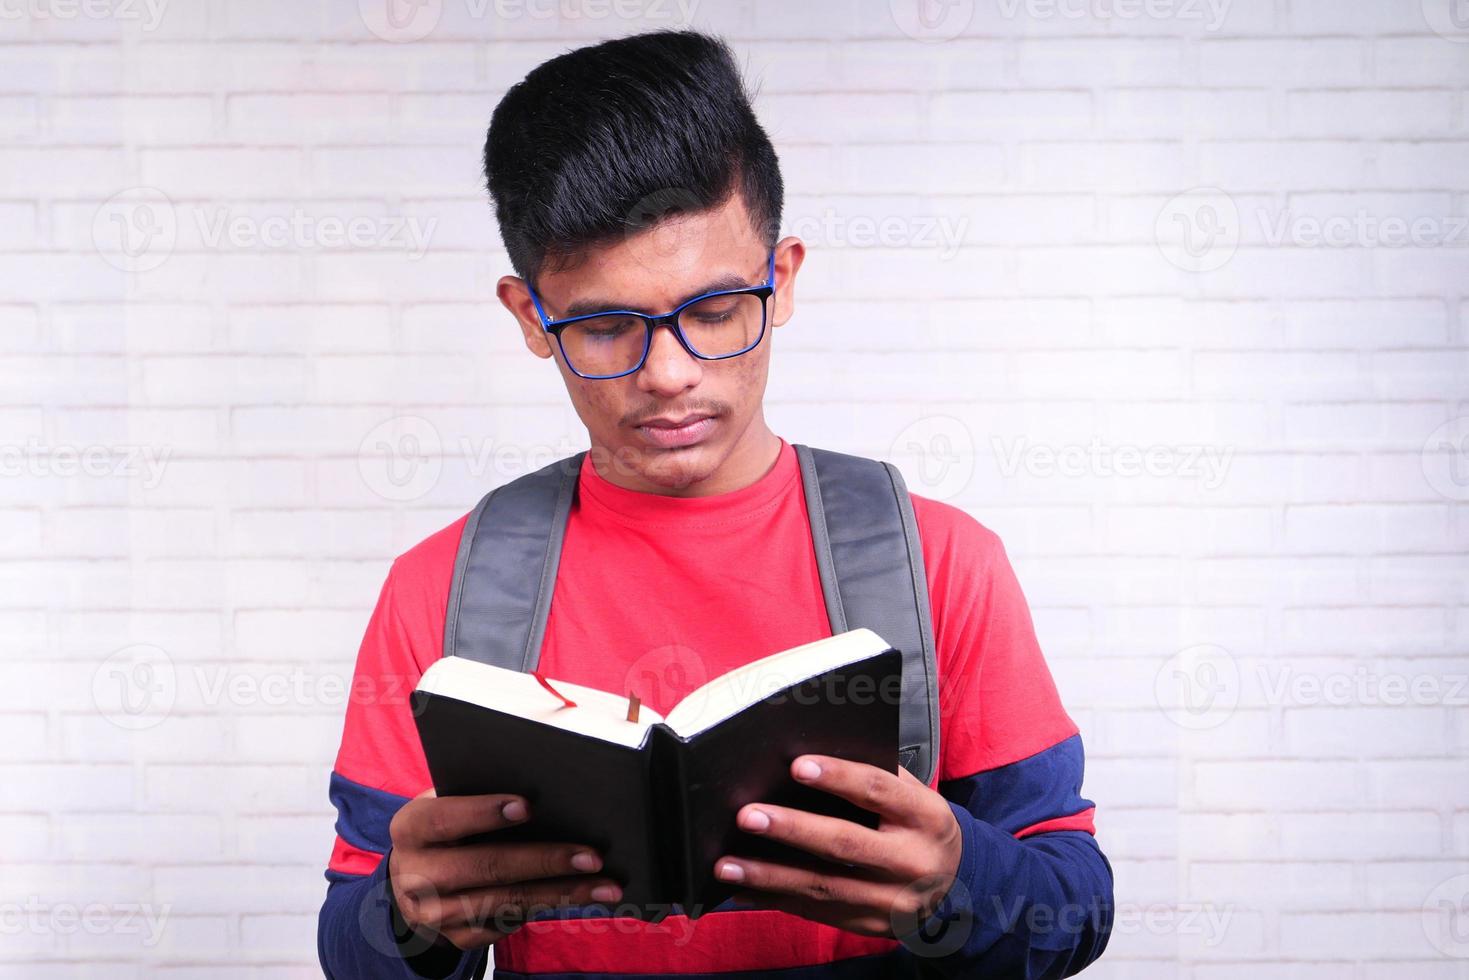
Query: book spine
671	836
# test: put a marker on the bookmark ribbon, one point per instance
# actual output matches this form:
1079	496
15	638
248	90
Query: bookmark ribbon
565	701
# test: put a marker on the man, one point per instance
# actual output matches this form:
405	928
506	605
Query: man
633	175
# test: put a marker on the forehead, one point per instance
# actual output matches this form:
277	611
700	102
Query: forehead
659	267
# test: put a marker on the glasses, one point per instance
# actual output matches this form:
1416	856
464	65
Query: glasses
711	327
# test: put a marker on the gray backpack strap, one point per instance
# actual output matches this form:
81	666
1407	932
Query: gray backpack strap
867	551
508	554
872	575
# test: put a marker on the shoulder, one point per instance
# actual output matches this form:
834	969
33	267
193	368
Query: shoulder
952	537
971	582
418	582
433	553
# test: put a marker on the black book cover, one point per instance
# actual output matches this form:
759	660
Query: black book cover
661	813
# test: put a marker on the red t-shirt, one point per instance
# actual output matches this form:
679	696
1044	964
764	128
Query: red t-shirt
658	594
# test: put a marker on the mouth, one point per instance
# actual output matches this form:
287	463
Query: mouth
675	434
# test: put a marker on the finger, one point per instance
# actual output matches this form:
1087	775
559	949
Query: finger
826	837
450	818
505	909
471	866
823	884
869	787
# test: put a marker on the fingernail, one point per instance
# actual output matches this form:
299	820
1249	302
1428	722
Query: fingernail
730	871
806	769
606	893
756	820
585	861
513	811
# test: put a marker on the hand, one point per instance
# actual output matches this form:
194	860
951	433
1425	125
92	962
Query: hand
473	894
862	880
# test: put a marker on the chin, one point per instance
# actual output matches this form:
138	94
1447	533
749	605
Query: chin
678	469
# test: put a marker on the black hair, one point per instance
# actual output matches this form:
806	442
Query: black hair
605	140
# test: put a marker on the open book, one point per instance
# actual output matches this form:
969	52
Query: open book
657	796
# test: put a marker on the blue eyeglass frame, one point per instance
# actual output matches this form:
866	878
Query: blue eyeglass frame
764	290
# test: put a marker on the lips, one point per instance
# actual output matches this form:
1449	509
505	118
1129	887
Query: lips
674	434
662	423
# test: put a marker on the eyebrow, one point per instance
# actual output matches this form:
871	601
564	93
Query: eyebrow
594	305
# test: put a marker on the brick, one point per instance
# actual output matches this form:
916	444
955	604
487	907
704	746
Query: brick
1276	785
1368	835
1214	112
112	119
1375	112
1282	62
1085	62
1418	61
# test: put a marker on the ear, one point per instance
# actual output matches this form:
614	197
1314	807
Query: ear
514	295
789	254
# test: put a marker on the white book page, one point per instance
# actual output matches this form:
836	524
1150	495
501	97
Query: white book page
732	692
597	714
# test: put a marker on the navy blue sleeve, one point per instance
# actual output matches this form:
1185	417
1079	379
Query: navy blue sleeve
1032	898
357	930
356	938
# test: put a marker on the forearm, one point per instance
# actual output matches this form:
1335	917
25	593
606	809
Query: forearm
356	937
1038	907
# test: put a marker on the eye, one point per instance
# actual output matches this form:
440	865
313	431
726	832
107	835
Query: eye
717	309
607	327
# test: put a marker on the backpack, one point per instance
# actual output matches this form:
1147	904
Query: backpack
867	551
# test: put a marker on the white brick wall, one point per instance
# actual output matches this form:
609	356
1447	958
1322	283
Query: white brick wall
1214	458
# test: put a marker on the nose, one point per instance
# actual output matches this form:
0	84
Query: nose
669	368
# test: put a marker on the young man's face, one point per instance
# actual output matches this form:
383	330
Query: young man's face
653	272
